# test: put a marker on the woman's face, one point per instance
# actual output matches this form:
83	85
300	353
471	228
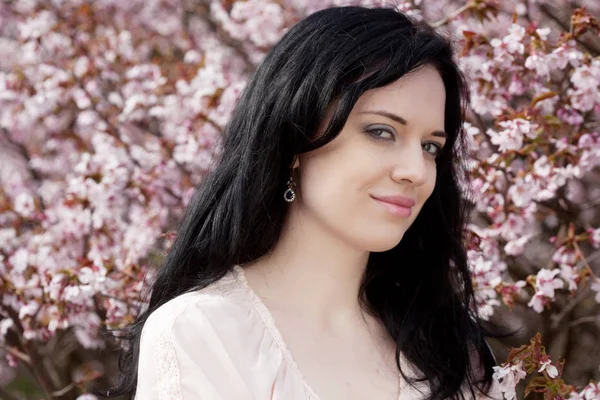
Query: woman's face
384	154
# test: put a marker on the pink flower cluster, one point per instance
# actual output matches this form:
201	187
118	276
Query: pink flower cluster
508	377
590	392
539	95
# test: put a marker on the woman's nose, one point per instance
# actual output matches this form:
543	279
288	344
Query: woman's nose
411	166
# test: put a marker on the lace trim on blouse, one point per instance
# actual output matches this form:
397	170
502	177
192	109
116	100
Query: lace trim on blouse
167	368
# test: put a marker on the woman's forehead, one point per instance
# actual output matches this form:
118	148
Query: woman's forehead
424	84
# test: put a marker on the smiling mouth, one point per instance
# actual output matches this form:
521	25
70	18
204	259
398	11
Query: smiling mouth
395	209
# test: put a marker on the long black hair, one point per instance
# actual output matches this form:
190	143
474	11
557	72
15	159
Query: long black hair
421	290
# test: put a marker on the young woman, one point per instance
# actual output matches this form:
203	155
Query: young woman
323	257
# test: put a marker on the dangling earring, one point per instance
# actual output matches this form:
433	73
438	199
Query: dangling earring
289	195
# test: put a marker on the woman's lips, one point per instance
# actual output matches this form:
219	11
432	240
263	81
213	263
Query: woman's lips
398	205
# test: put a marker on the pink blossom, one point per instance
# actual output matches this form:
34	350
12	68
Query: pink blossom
486	274
546	282
542	167
550	369
570	275
19	260
570	115
517	86
523	191
539	64
507	377
24	204
537	302
545	285
259	22
511	43
585	79
29	309
583	100
5	325
595	286
513	228
38	25
566	54
12	361
586	76
521	9
510	140
594	235
511	137
517	246
587	141
87	396
590	392
8	240
487	105
543	33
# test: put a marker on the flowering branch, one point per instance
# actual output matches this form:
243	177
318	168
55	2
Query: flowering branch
36	362
593	48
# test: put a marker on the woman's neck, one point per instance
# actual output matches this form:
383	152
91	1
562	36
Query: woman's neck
311	271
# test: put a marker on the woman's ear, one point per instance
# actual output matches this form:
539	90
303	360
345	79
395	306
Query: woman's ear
296	162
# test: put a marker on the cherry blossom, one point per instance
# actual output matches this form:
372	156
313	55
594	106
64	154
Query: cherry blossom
570	276
545	286
87	396
508	376
511	136
590	392
596	288
549	368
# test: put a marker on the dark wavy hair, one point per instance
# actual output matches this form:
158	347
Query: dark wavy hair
420	290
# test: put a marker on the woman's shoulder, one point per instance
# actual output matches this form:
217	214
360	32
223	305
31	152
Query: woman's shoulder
207	343
220	300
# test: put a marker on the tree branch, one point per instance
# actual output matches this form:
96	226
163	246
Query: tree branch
37	361
557	319
548	12
583	320
453	15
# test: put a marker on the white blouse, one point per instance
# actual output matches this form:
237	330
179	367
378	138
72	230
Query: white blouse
221	343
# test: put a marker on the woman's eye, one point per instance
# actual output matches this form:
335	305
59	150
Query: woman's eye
380	133
432	148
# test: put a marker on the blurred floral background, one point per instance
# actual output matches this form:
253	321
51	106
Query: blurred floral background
111	114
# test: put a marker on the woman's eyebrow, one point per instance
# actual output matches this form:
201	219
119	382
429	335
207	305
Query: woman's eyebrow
400	120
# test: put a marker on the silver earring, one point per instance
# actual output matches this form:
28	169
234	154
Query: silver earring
289	195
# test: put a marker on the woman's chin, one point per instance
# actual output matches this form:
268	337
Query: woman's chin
377	245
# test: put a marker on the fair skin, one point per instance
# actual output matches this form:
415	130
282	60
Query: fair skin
310	281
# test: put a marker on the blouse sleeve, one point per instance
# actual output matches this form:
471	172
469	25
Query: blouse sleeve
182	358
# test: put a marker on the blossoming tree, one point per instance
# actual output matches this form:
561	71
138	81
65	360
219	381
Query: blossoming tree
111	114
